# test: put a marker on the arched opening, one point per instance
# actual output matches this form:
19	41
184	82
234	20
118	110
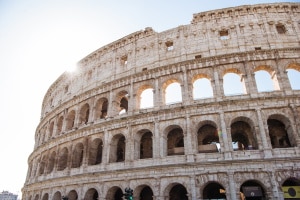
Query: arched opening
36	197
146	193
57	196
77	155
95	154
117	151
202	88
172	93
278	134
294	78
214	190
101	108
84	114
123	102
208	139
43	162
251	190
72	195
62	159
146	98
51	162
291	189
146	150
178	192
115	193
175	142
70	120
242	136
264	81
45	196
233	84
91	194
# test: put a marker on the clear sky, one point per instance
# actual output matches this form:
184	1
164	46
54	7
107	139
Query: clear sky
40	39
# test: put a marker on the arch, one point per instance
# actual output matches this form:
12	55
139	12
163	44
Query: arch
72	195
84	114
36	197
172	92
294	77
51	162
115	193
175	141
117	148
264	82
202	87
146	193
233	83
145	144
91	194
70	120
122	99
45	196
208	138
252	190
280	131
101	109
178	192
43	162
77	156
145	97
62	159
214	190
95	152
242	134
57	196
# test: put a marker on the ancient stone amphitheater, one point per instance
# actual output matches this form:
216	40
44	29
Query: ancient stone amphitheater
179	114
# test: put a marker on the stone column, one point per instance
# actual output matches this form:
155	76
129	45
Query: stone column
218	85
263	135
233	193
186	96
193	192
189	147
157	95
156	140
250	80
106	148
131	99
129	145
224	136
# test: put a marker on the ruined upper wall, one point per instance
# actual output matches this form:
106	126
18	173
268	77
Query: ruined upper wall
210	34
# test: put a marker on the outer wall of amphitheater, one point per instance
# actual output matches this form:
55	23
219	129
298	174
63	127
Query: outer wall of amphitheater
95	139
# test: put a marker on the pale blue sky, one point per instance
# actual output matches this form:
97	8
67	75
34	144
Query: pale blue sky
39	40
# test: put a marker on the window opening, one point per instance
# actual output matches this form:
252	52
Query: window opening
173	93
280	28
169	45
294	78
124	60
233	84
264	82
146	98
202	89
224	35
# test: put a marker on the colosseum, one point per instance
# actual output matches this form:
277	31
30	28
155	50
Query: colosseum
152	112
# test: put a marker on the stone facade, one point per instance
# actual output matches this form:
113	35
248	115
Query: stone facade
95	138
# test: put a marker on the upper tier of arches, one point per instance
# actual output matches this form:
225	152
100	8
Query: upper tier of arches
205	41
